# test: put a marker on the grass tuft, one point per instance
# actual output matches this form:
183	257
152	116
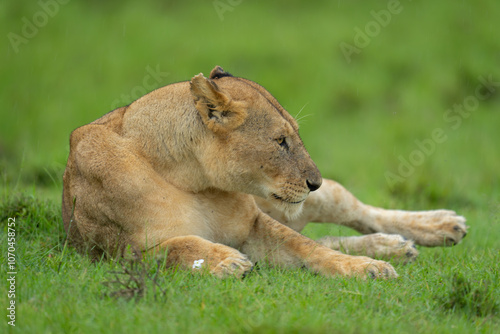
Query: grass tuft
134	279
474	298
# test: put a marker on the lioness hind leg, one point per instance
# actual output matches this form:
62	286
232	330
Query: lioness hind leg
193	252
333	203
378	245
427	228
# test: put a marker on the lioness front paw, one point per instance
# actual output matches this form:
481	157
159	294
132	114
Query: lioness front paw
380	269
233	267
437	228
364	267
391	247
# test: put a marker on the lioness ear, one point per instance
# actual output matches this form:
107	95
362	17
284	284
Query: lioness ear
218	72
219	112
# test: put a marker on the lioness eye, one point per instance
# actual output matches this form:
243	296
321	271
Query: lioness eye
282	142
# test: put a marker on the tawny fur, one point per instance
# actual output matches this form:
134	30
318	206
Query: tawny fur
195	170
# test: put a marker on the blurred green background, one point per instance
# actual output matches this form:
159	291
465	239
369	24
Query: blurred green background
369	81
65	64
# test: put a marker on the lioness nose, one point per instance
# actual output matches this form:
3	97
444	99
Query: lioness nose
313	185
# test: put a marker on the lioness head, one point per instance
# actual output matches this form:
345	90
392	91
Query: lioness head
254	144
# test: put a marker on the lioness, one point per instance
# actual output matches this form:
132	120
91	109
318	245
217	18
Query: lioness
214	169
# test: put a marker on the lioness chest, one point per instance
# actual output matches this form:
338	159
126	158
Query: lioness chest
220	217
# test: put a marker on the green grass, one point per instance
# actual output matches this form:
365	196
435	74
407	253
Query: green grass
61	292
357	120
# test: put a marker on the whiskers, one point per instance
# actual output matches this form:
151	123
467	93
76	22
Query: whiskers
297	118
